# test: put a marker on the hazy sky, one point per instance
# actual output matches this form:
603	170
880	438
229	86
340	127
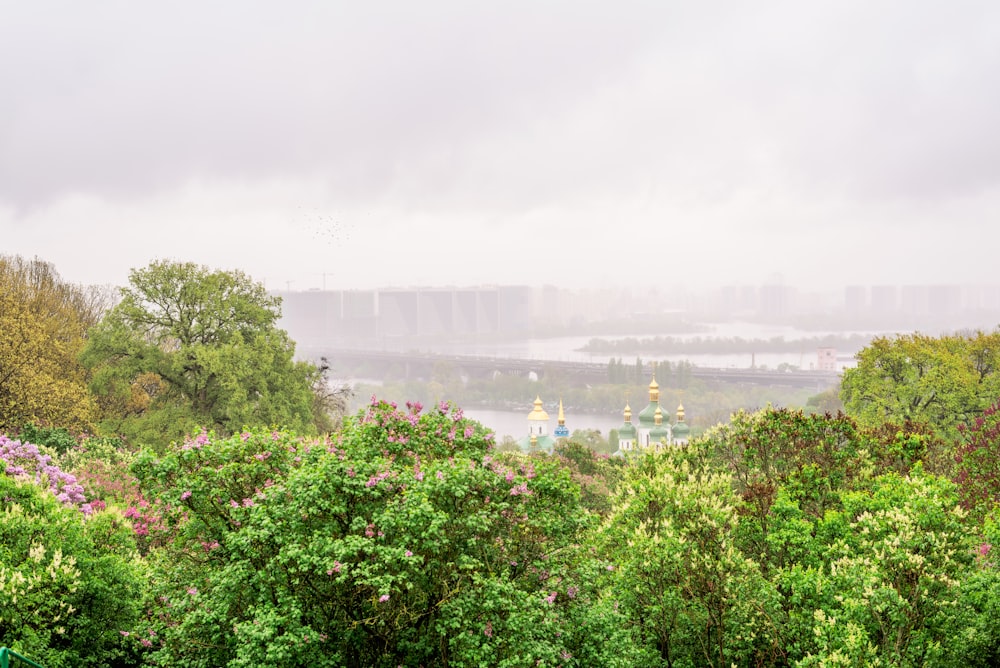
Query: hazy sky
466	142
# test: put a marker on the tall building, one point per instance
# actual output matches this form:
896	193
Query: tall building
856	299
885	299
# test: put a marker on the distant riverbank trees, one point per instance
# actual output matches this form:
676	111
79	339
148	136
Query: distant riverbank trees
699	345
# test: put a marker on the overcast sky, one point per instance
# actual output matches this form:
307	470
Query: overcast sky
361	144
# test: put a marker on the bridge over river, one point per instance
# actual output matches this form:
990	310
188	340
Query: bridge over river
379	363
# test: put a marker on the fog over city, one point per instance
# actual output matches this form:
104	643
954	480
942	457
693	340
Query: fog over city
352	145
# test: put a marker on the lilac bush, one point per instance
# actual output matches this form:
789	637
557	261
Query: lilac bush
25	460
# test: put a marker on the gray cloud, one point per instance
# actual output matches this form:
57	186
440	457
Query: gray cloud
743	122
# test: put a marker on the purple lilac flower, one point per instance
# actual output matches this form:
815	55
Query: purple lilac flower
23	459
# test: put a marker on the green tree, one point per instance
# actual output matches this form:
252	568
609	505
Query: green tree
43	321
190	346
943	382
591	438
689	594
887	588
406	540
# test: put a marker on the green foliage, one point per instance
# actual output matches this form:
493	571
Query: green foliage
887	584
57	438
772	541
596	474
592	440
944	381
690	596
812	457
189	346
68	584
405	540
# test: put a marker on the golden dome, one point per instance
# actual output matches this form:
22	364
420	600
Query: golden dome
658	416
628	412
538	413
562	416
654	388
680	412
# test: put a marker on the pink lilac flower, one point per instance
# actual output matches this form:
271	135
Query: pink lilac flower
383	598
125	633
551	598
193	591
146	643
488	631
335	569
409	554
186	495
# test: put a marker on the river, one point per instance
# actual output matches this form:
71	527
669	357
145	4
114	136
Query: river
515	425
567	348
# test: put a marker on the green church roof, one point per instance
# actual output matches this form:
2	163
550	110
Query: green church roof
647	415
544	443
659	433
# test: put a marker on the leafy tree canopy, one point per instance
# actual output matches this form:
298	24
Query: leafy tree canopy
404	541
941	381
191	346
43	321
